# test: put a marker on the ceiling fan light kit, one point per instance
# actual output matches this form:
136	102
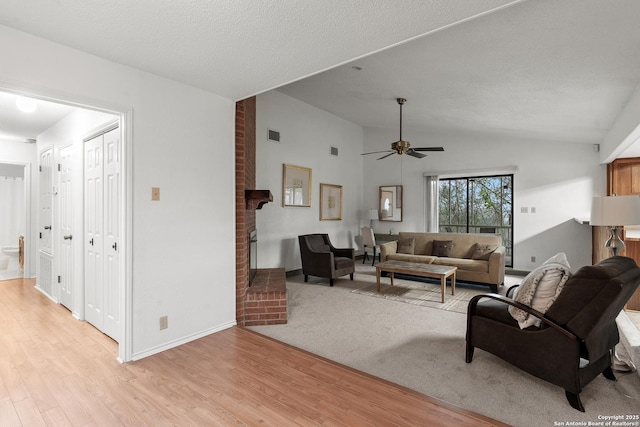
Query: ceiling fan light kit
404	147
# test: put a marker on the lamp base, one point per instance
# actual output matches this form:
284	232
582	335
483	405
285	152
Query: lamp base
614	243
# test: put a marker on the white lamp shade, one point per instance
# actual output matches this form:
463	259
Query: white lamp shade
615	210
372	214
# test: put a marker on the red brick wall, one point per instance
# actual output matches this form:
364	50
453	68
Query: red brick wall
258	306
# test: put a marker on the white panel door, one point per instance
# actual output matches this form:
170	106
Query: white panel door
93	234
46	200
102	232
65	207
111	150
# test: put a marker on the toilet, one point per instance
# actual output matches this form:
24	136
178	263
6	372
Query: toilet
5	256
10	250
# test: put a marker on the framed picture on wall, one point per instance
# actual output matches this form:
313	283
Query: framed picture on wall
296	186
330	202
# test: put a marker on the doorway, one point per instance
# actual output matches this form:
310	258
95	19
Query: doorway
13	214
62	143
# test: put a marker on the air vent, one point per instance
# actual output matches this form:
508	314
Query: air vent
334	151
30	141
273	135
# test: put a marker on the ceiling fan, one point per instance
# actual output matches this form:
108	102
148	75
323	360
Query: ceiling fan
404	147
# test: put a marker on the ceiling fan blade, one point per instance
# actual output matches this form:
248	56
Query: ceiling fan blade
377	152
384	157
412	152
428	149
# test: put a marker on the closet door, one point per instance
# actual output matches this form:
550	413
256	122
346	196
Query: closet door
65	207
45	220
102	232
111	226
93	220
46	200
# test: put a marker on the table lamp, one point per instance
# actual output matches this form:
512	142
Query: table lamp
613	212
371	215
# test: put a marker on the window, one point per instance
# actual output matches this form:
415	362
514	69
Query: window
478	205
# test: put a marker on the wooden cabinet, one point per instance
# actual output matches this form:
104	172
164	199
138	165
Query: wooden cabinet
623	178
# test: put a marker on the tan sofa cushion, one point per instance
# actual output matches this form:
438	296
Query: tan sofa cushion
463	264
425	259
406	246
483	252
441	247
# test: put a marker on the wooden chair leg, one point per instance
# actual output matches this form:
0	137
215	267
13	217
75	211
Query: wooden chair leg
374	256
351	276
574	400
330	282
306	277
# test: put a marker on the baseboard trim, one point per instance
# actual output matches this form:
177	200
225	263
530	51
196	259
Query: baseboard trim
175	343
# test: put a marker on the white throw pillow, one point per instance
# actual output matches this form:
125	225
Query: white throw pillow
540	288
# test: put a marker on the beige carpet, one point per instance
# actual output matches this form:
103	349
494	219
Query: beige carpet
423	294
423	348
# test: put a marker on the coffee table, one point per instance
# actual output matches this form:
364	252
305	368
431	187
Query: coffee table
441	272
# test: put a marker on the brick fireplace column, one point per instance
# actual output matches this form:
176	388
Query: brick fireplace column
265	302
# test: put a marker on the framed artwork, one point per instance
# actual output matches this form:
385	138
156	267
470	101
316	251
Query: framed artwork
296	186
330	202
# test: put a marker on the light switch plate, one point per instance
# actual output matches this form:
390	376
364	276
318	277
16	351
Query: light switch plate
155	193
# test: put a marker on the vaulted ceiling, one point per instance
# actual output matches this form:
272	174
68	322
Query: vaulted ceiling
551	70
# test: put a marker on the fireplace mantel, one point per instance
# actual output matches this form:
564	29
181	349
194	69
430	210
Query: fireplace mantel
256	198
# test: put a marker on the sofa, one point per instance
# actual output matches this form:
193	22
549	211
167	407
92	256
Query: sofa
478	257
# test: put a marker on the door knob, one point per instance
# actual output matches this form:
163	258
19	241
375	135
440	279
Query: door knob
115	246
91	241
69	237
47	227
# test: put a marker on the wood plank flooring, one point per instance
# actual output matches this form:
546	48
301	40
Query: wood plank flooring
56	371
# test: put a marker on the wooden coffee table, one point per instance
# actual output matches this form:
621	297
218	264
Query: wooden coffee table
441	272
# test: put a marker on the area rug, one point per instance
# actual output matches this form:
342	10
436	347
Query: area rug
424	293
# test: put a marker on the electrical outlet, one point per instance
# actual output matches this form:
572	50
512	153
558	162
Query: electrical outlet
164	322
524	209
533	209
533	259
155	193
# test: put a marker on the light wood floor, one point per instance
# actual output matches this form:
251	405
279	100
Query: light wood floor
57	371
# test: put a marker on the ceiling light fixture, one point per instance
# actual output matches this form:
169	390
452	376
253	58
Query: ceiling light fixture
26	105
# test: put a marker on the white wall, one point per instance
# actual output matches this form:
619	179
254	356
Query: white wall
183	142
307	134
557	179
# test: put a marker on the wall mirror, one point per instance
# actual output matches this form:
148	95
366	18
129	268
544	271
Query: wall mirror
390	208
296	186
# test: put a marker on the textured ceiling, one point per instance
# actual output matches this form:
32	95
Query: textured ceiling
235	48
549	70
545	69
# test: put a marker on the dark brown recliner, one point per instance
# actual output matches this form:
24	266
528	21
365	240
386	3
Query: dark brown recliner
320	258
578	333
